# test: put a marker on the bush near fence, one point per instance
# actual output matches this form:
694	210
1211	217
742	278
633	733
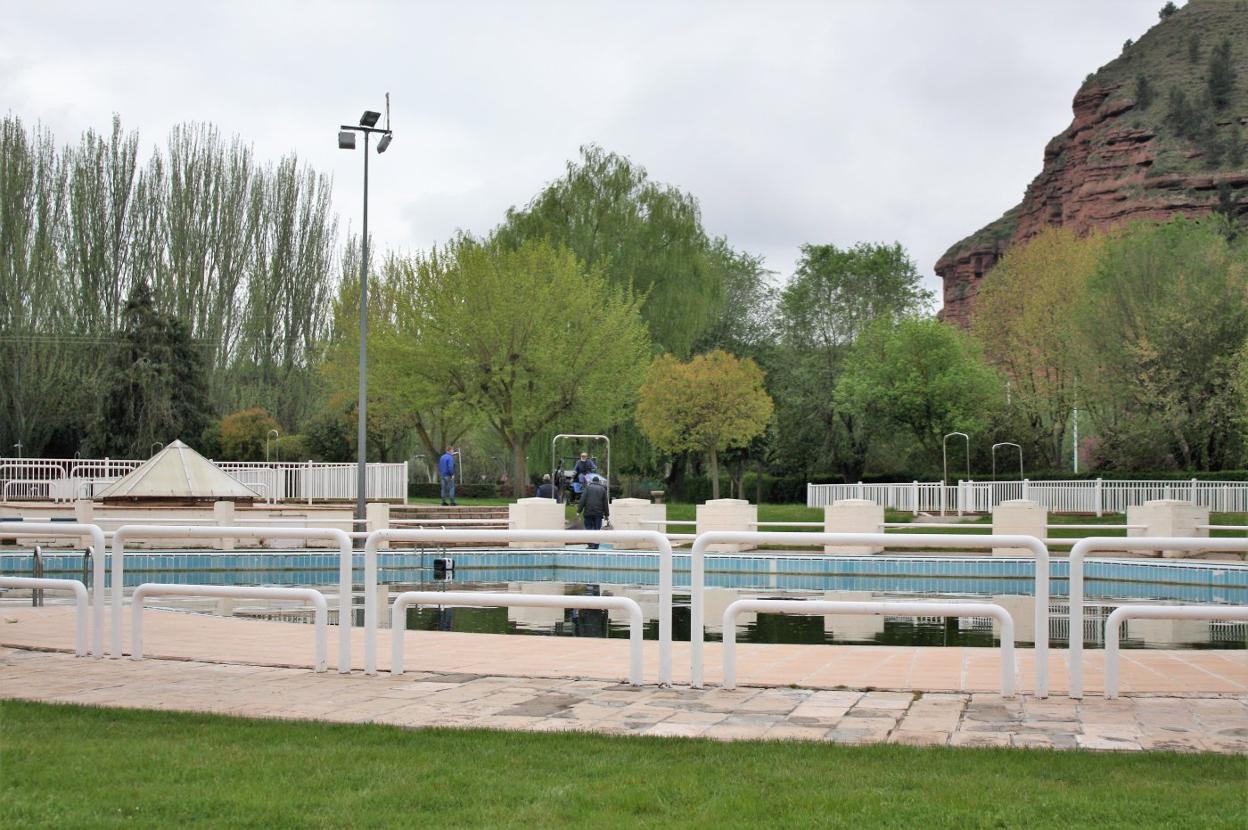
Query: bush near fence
425	490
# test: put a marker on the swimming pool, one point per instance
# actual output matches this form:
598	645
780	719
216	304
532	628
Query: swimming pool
1109	582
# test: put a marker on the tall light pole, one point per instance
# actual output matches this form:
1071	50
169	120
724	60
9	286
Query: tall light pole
994	458
944	455
346	141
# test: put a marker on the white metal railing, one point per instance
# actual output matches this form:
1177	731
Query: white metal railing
154	589
899	608
559	537
80	601
493	600
1113	543
63	479
62	529
1075	496
236	531
697	577
1156	612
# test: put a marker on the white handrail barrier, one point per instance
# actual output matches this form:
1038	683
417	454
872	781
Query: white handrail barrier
493	600
1118	543
697	576
97	564
559	537
1156	612
154	589
911	609
80	601
121	534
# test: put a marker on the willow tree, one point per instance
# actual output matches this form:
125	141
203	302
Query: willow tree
1025	317
714	402
643	235
525	338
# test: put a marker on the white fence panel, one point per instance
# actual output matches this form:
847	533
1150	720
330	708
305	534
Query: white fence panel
1079	496
66	479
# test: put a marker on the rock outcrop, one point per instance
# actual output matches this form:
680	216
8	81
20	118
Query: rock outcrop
1122	158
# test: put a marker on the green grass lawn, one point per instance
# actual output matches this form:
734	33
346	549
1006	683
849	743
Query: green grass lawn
69	766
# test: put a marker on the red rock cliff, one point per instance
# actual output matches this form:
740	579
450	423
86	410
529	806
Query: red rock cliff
1119	160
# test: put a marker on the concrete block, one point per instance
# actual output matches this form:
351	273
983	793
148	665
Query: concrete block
1018	517
727	514
223	516
638	514
853	516
84	514
377	517
1169	517
535	514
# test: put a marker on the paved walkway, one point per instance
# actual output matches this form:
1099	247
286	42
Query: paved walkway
1215	724
210	638
1185	700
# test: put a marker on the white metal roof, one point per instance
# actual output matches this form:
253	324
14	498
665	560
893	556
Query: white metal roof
178	472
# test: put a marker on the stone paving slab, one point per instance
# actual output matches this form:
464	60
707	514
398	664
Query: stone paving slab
426	699
208	638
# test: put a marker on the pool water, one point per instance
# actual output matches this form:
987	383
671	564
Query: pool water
573	571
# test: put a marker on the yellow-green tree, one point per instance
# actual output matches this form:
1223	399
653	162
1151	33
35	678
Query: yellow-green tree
244	434
525	338
1026	318
713	402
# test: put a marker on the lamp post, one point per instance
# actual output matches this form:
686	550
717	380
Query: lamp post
155	448
944	455
994	458
276	435
346	141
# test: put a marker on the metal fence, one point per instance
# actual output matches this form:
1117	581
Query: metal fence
1084	496
66	479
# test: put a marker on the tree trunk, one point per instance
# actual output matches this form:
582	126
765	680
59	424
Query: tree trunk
519	473
714	473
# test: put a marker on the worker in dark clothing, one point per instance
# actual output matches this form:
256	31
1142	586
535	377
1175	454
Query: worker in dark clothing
546	490
584	466
594	505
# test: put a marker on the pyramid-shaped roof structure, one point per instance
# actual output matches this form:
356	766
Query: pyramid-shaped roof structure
177	473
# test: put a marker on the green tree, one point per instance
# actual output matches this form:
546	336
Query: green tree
1221	78
711	403
524	337
1166	314
156	386
1025	318
835	294
245	434
1167	9
644	236
922	377
1144	92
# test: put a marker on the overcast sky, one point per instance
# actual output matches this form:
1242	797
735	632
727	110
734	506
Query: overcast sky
791	122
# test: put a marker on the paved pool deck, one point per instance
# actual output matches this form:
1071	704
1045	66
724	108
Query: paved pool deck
1182	700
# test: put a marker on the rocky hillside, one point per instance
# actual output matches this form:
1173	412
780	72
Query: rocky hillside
1162	129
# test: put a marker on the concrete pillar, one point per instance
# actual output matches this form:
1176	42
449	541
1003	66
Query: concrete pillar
1018	517
727	514
634	514
853	516
1169	517
377	517
535	514
84	514
223	515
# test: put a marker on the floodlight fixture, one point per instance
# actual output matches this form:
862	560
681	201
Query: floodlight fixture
369	118
346	140
383	143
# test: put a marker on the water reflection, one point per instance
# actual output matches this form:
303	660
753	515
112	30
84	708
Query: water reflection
781	628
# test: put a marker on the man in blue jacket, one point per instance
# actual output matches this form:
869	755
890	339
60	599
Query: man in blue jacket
595	504
446	469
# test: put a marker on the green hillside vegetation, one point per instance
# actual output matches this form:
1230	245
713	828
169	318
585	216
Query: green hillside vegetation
1193	68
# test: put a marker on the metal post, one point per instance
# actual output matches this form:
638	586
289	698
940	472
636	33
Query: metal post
361	483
